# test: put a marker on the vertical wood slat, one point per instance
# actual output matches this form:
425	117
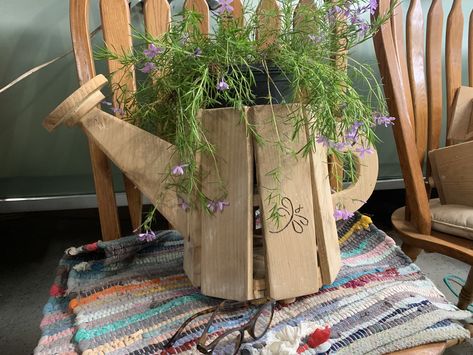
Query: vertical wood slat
227	244
453	55
269	22
470	50
434	72
157	15
202	8
238	11
115	15
291	246
101	170
328	249
403	132
416	70
300	18
400	53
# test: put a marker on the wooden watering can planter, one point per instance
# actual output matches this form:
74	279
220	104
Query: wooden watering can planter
296	258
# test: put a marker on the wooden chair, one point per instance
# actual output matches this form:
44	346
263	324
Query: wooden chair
413	86
115	17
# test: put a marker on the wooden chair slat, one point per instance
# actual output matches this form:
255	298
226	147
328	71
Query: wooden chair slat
238	10
470	50
434	72
416	69
400	52
403	131
157	15
301	21
202	8
116	29
270	21
109	221
453	55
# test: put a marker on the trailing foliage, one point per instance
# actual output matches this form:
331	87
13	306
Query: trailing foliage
186	71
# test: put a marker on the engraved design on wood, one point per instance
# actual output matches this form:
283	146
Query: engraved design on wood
295	219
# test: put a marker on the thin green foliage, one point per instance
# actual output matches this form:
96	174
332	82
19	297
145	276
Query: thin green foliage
190	71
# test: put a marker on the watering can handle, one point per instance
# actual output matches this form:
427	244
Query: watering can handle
71	110
355	195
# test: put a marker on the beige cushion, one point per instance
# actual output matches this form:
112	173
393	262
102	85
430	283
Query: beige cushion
452	219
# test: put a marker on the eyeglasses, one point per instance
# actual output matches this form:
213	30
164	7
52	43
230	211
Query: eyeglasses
230	341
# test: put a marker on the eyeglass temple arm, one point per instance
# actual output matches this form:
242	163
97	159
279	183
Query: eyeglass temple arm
186	322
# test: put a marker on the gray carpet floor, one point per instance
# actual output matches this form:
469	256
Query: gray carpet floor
34	242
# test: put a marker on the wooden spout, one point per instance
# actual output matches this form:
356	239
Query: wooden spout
143	157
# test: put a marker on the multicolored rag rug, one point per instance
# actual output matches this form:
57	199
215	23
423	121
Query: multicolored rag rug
129	296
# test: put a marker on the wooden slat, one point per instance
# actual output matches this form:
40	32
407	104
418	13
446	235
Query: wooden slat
452	169
193	245
227	241
453	55
470	50
302	20
238	11
434	41
157	14
461	129
202	8
416	69
269	22
291	250
400	52
328	249
102	173
403	131
116	30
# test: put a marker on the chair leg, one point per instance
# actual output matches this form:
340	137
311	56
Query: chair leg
410	251
466	294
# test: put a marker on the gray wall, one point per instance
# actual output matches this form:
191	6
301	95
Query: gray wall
36	163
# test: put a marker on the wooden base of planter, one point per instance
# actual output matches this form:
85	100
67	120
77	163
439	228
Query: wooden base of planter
296	256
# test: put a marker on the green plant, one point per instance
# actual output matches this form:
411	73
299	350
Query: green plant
186	71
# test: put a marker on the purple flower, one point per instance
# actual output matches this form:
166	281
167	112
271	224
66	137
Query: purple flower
185	38
363	27
148	236
373	5
148	67
364	150
342	214
323	140
222	86
178	169
211	206
340	146
315	38
153	51
198	52
351	134
183	204
118	111
383	120
218	205
221	205
225	6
